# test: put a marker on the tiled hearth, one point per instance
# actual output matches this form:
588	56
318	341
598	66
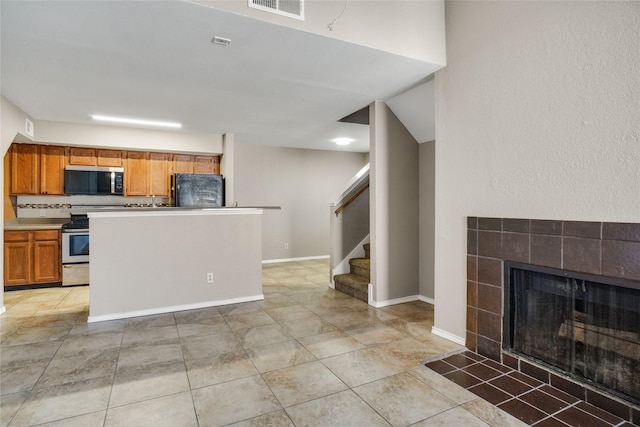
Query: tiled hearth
526	398
596	248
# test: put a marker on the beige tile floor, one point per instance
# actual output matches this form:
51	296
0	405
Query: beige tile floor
305	356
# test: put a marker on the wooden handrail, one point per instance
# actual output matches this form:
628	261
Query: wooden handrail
351	200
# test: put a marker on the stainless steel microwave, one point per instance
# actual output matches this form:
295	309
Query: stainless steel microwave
93	180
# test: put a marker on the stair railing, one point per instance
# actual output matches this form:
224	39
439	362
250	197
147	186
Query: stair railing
349	231
352	199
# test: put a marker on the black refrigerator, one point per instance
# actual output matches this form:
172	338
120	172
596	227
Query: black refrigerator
201	191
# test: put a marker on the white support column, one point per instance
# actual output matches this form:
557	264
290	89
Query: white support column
226	168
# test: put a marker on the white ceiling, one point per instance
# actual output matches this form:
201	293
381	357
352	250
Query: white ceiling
65	60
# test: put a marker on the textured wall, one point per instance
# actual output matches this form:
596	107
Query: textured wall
537	117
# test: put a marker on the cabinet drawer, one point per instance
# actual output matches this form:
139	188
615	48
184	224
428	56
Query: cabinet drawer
45	235
16	236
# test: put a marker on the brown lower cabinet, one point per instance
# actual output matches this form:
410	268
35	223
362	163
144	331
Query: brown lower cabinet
31	257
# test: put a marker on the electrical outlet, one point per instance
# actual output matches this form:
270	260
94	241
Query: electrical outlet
209	277
286	246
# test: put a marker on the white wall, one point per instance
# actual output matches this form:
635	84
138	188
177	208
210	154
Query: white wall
300	181
126	138
537	117
13	124
409	28
427	186
394	208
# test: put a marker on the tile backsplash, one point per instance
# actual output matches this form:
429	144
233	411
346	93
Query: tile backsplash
63	206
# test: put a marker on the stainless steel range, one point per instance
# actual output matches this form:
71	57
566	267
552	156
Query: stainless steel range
75	251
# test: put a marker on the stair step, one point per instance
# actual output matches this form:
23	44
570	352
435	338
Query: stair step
367	250
353	285
360	267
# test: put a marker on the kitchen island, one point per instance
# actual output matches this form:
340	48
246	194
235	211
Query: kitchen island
158	260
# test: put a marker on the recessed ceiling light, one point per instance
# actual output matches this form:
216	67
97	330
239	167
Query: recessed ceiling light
343	140
221	41
129	121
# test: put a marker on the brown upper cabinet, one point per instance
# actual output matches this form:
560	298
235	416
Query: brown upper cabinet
159	175
25	169
51	170
206	164
37	169
111	158
182	163
136	173
81	156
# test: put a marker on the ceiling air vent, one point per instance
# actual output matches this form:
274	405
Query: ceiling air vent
290	8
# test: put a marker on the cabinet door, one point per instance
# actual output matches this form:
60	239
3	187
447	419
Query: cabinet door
24	169
46	261
51	170
159	174
203	164
112	158
136	172
17	258
82	156
182	163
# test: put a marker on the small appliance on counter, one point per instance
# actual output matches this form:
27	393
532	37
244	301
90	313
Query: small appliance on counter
75	251
199	191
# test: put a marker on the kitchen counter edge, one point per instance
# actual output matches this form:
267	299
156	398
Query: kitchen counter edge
138	212
17	224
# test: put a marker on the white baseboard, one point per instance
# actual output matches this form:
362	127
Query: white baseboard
331	285
447	335
378	304
3	309
305	258
428	300
161	310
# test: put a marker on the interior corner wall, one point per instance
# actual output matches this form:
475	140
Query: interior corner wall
427	186
301	182
12	127
394	207
12	124
536	117
226	169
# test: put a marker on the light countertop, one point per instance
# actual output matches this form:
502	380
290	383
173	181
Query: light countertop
34	223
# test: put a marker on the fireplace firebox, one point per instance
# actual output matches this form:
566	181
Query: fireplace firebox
564	353
582	325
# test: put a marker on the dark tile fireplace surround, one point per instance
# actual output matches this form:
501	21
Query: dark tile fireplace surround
596	248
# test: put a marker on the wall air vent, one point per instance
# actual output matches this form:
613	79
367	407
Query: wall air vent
290	8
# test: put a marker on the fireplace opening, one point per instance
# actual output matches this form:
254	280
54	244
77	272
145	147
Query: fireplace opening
584	326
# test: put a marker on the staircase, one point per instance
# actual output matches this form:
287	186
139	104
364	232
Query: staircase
356	282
